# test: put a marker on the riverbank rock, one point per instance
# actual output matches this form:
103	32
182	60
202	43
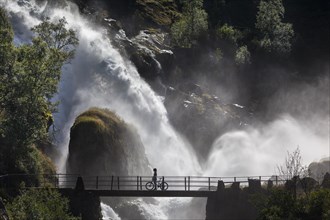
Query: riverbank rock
103	144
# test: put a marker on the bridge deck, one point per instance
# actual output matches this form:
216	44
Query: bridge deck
134	193
131	186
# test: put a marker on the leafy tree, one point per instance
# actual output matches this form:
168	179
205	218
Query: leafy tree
39	204
275	35
318	205
281	204
228	33
29	77
242	55
293	166
192	24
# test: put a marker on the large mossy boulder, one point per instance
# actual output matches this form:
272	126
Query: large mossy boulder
103	144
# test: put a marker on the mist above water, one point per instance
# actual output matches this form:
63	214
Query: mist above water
258	150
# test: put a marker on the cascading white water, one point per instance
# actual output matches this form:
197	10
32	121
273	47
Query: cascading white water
100	76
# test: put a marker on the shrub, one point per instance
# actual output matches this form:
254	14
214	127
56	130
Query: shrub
242	55
39	204
229	33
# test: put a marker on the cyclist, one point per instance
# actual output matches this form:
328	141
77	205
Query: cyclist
154	178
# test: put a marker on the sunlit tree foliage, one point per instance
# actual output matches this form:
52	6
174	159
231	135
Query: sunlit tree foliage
191	26
275	35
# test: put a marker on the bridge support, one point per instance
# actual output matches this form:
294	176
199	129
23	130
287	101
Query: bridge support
80	184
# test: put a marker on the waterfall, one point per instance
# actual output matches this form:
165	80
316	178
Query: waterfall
100	76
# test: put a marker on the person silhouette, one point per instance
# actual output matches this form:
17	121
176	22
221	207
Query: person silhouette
154	178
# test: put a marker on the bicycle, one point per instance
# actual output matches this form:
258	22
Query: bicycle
160	184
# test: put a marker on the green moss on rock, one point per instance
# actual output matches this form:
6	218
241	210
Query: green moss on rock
103	144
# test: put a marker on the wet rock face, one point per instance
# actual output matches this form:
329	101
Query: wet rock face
326	181
319	169
202	117
148	50
103	144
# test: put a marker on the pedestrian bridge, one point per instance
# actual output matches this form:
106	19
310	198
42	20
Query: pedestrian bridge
134	186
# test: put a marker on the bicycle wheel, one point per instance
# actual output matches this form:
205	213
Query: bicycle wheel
165	186
150	186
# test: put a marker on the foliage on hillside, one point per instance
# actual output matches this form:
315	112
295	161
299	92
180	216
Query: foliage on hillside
275	35
37	204
281	204
192	24
29	75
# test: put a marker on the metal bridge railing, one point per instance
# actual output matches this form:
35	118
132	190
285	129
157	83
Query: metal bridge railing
136	183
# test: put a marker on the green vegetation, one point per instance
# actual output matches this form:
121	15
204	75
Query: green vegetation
39	204
102	143
229	33
242	55
29	75
300	198
275	35
281	204
103	122
193	23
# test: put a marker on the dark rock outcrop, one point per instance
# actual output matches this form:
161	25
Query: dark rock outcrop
229	203
201	117
319	169
326	181
83	204
102	144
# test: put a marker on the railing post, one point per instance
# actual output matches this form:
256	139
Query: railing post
209	183
276	180
137	183
235	179
188	183
260	178
185	183
97	182
111	182
118	182
140	183
163	183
